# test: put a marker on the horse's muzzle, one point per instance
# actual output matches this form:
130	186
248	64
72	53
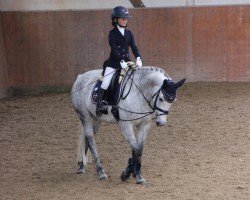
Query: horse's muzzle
161	123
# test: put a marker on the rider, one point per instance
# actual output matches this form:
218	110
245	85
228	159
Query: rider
119	40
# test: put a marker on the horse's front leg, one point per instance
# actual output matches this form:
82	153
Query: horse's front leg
142	134
128	132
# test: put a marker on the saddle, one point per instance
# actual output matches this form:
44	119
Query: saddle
113	94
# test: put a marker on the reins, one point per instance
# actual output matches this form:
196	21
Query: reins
131	77
154	108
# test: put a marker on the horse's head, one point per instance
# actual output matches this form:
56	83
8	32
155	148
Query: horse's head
165	96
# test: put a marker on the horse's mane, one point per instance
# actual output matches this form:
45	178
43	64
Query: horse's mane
149	69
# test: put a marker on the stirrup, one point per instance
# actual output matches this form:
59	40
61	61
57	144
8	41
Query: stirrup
101	110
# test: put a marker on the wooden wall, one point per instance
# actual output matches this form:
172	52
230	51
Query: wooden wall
200	43
4	80
51	48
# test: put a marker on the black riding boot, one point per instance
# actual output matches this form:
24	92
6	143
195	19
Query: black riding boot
99	102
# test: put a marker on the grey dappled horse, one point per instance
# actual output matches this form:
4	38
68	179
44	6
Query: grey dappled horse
150	94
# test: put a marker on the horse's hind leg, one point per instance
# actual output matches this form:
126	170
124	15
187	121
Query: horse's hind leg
87	121
92	147
96	127
83	155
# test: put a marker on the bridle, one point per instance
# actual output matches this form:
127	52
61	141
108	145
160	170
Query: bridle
167	97
155	107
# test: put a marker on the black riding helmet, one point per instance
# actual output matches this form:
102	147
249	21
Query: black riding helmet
119	12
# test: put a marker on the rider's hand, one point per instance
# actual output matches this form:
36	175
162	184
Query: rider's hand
123	64
138	62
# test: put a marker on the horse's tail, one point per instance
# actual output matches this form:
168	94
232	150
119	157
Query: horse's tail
83	155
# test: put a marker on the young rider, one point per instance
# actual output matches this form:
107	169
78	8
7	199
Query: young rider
120	39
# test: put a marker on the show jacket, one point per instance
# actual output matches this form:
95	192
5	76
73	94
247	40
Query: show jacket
120	47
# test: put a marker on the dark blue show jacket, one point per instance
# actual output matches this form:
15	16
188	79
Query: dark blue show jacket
120	47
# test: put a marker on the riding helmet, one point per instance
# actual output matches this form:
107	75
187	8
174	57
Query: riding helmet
120	12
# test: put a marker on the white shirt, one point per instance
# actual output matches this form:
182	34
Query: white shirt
121	29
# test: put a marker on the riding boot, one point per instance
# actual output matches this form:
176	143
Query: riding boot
99	102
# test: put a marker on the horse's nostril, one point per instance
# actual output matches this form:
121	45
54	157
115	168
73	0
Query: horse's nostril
158	123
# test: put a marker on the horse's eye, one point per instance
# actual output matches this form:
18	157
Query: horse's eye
161	99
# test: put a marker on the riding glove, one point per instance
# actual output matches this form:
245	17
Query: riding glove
138	62
123	64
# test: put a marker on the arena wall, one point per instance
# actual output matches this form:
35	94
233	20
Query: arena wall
29	5
49	48
4	79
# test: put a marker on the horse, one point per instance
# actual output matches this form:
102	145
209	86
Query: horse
149	94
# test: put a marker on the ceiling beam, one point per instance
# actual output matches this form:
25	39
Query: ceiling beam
137	3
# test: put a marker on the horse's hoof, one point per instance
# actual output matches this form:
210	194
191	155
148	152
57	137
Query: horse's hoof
140	179
124	176
103	177
80	171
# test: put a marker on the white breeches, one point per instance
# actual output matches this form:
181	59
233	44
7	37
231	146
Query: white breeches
109	72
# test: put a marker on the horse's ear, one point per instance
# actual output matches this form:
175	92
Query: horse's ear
180	83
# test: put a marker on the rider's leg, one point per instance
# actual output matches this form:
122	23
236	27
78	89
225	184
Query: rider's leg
105	84
99	102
